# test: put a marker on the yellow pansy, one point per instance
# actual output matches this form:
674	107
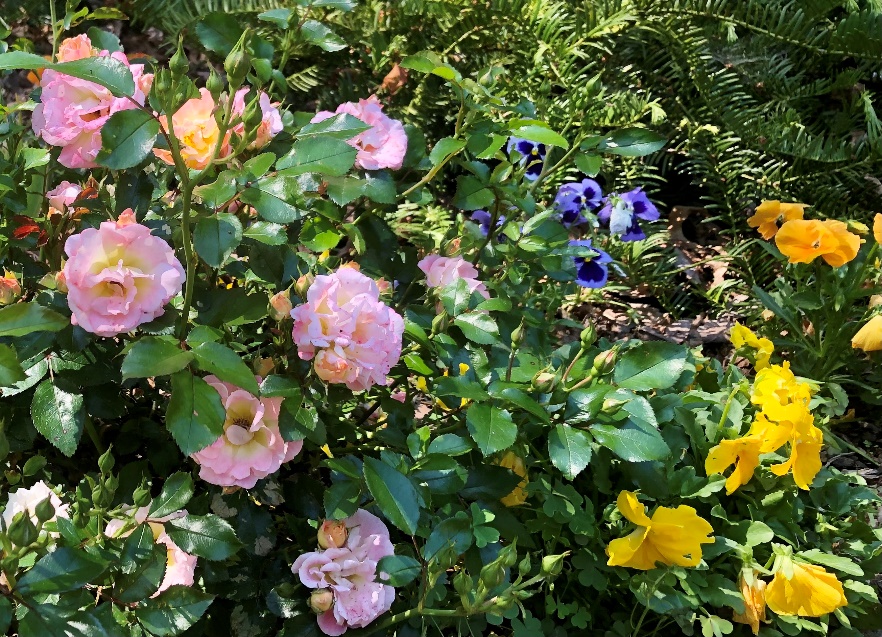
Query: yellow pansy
869	337
753	590
848	243
803	240
742	336
770	213
742	452
671	536
777	385
515	463
805	590
793	423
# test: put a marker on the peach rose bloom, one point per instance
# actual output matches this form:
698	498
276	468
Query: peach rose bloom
72	111
10	288
270	125
383	145
442	271
119	276
63	195
251	446
180	567
354	337
197	132
26	500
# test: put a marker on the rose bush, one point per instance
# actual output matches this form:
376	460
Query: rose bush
240	396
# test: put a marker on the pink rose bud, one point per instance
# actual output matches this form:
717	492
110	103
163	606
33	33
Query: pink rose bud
321	600
280	306
384	286
10	289
63	195
61	282
303	283
270	123
332	534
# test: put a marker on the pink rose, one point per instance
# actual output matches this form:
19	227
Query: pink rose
63	195
251	446
197	132
119	276
10	288
354	337
383	145
26	500
270	125
180	566
350	574
72	111
441	271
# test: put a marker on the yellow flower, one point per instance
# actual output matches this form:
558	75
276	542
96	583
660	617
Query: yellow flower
742	452
802	241
421	384
742	337
515	463
753	591
770	213
804	589
869	337
776	385
671	536
847	247
877	227
793	423
463	368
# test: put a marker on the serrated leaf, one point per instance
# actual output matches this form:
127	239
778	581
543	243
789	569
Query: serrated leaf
569	450
195	415
395	494
59	415
398	570
216	237
65	569
173	611
491	428
176	493
154	356
224	363
206	536
21	319
127	139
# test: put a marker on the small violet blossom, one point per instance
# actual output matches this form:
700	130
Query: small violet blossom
591	272
576	198
483	219
532	155
621	212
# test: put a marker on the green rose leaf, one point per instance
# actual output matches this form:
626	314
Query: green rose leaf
21	319
6	614
195	415
341	499
104	71
127	139
58	414
342	126
569	450
206	536
472	194
65	569
175	494
144	563
10	369
539	133
274	198
173	611
155	356
216	237
395	494
445	147
491	428
326	156
632	142
478	327
652	365
271	234
632	442
398	570
319	234
226	364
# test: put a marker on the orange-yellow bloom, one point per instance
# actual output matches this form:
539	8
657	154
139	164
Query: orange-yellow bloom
743	337
197	132
770	213
877	227
515	463
869	337
753	590
803	240
804	589
742	452
671	536
848	244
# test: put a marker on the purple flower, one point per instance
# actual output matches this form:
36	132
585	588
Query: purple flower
532	155
591	272
621	212
576	198
483	219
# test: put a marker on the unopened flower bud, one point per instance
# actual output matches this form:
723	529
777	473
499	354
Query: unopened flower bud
543	382
22	531
44	510
303	283
604	362
463	584
332	534
106	461
141	497
612	406
588	336
238	62
517	335
179	64
214	84
492	575
10	289
280	306
253	114
162	84
508	555
321	600
524	565
552	565
440	323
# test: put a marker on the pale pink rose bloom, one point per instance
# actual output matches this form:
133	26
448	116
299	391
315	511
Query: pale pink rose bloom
383	145
400	396
441	271
354	337
119	276
63	195
350	573
76	48
26	500
180	567
251	446
197	132
270	125
72	111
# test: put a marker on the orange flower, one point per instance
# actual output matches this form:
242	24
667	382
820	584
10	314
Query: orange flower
877	227
753	590
802	240
770	213
848	244
869	337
